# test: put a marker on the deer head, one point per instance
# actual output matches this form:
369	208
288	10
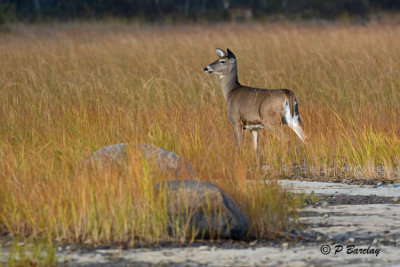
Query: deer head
224	65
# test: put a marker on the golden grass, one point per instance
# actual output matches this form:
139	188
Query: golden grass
66	91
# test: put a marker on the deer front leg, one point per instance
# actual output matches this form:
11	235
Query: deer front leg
255	139
238	129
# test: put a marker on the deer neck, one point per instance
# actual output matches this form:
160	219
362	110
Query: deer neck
229	82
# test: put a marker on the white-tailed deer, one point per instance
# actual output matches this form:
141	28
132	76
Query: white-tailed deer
253	108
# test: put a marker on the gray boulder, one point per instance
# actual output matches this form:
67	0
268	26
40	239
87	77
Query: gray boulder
203	208
118	156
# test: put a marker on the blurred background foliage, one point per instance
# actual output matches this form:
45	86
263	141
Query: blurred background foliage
175	11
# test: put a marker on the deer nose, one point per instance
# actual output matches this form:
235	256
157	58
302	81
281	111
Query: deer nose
205	69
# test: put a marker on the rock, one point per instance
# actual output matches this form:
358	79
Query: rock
204	208
118	156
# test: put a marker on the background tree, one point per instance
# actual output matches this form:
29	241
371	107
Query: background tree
186	10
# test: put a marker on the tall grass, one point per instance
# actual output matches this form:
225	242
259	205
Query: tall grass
66	91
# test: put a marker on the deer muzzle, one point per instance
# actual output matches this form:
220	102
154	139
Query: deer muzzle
207	69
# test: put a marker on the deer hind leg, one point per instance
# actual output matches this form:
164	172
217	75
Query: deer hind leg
292	119
275	128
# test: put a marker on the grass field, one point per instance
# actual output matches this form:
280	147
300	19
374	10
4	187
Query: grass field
67	90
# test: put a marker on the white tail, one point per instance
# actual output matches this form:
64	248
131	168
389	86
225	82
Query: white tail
292	117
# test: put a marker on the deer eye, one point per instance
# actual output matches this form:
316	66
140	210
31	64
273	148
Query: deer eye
222	62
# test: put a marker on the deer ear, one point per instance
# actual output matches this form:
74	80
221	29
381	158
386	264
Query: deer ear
221	53
230	54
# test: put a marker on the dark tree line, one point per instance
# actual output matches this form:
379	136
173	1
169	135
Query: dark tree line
186	10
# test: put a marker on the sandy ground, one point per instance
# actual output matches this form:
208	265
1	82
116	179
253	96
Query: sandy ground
337	189
292	255
365	224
